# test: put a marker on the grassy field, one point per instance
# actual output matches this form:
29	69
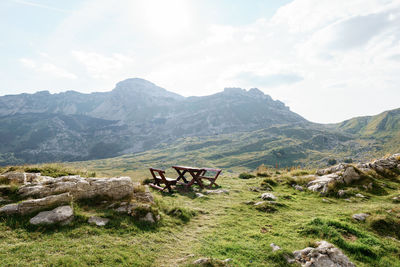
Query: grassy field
218	226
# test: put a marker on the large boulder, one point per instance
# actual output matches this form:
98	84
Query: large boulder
25	178
81	188
34	205
321	183
325	255
350	175
62	215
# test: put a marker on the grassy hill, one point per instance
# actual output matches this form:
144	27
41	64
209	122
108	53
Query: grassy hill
218	226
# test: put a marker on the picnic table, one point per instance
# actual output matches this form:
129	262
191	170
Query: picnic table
197	175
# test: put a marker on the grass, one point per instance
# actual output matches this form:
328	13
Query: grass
219	226
52	169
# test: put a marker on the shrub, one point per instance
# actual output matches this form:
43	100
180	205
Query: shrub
262	174
332	161
268	182
245	175
348	160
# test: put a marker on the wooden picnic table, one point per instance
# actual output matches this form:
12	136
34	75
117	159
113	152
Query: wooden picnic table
193	171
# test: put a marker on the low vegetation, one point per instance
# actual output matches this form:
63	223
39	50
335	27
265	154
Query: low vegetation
218	226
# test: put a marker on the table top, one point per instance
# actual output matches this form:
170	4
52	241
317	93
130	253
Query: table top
188	168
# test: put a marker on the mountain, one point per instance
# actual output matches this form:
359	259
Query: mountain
135	116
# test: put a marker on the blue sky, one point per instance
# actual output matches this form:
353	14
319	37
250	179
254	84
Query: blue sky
327	60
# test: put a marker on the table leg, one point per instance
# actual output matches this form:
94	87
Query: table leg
181	175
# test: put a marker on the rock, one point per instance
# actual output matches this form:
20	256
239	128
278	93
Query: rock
350	175
142	194
24	178
320	184
217	191
361	217
3	200
325	255
63	215
396	199
185	258
199	195
274	247
211	262
81	188
258	203
326	200
268	196
298	187
98	221
360	195
333	169
149	218
341	193
33	205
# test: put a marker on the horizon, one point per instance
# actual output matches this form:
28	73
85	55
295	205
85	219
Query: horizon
328	61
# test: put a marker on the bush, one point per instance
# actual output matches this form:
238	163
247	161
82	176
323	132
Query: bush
245	175
268	182
332	161
262	174
348	160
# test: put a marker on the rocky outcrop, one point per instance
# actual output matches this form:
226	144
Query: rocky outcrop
211	262
25	177
81	188
346	173
268	196
62	215
34	205
324	255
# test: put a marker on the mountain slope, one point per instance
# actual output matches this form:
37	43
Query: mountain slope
143	116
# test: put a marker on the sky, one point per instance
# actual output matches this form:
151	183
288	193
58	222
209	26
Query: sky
327	60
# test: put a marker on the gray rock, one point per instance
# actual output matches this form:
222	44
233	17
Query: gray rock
350	175
210	262
274	247
360	195
360	217
320	184
98	221
333	169
81	188
199	195
298	187
217	191
325	255
33	205
268	196
149	218
63	215
341	193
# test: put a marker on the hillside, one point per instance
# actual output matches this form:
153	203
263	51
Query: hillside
142	116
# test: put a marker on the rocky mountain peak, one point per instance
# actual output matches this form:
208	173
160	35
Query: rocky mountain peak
142	86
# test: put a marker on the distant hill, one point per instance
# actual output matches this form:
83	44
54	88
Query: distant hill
135	116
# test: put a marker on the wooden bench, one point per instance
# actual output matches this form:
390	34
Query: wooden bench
161	179
211	179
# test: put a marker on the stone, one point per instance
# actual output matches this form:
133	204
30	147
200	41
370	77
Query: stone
149	218
33	205
217	191
142	193
341	193
274	247
360	195
361	217
333	169
396	199
81	188
199	195
98	221
326	200
268	196
298	187
211	262
62	215
324	255
350	175
320	184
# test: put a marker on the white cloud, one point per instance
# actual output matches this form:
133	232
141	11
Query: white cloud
326	59
47	68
